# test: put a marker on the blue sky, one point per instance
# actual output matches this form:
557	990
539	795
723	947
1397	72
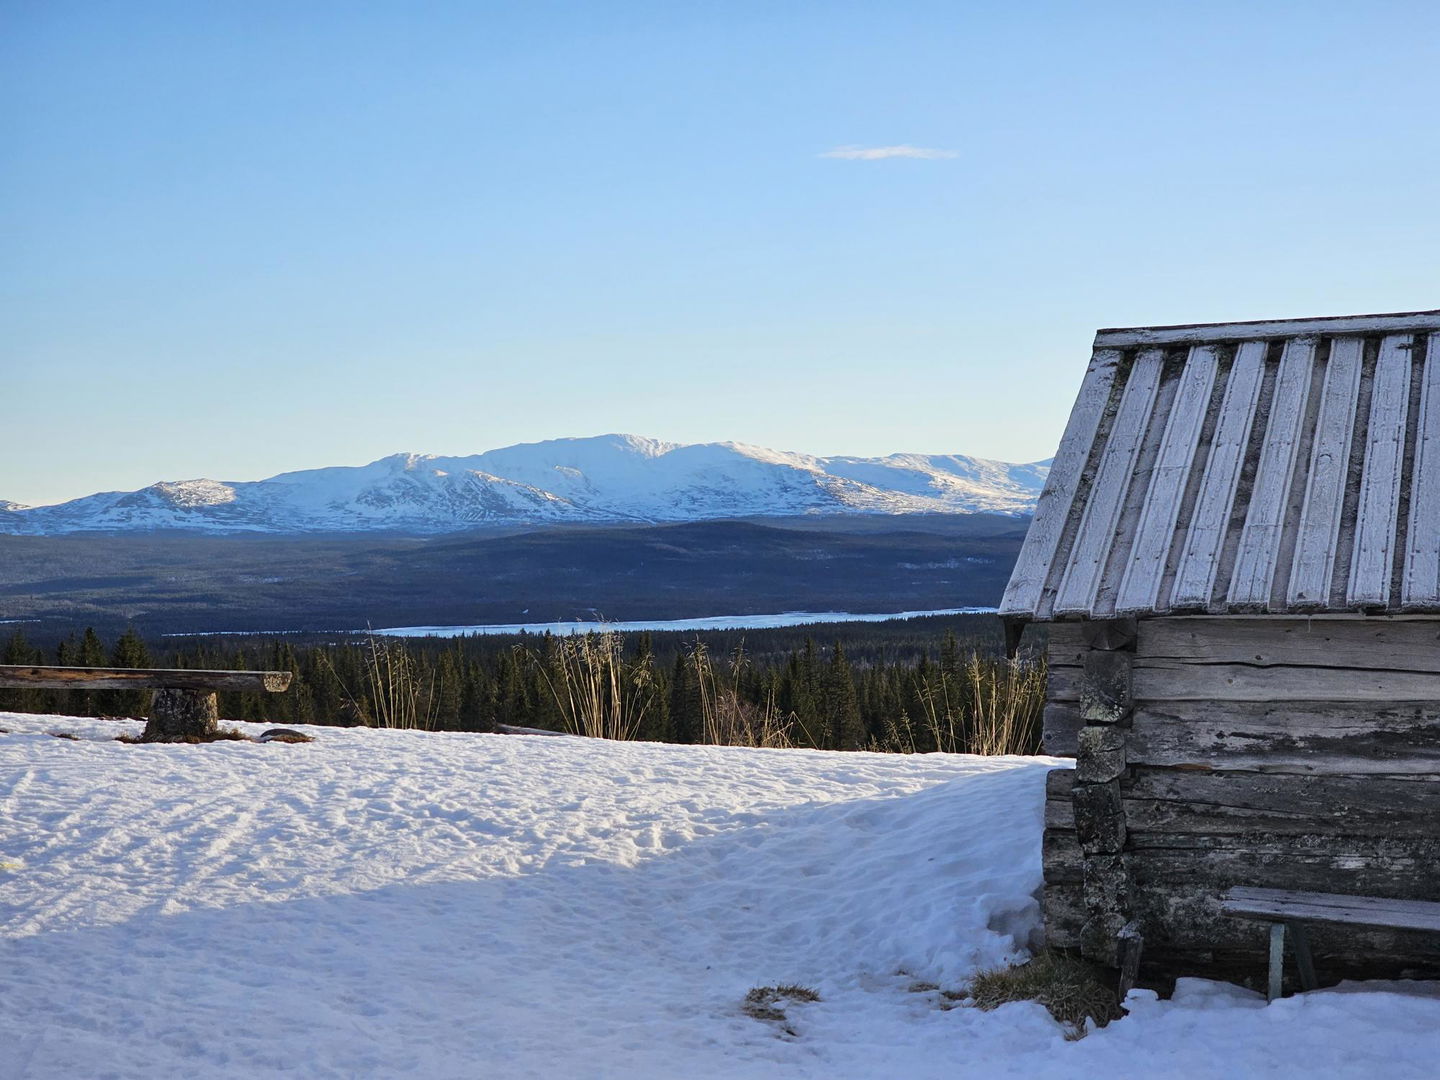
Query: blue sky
239	238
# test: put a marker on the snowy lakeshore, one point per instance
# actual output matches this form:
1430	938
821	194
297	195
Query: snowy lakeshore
383	904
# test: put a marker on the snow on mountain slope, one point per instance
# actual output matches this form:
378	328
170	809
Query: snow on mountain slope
607	478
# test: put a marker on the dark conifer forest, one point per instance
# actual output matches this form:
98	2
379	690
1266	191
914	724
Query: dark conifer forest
919	685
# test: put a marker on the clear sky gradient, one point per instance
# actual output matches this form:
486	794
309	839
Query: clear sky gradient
240	238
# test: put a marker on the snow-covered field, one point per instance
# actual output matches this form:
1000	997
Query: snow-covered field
385	904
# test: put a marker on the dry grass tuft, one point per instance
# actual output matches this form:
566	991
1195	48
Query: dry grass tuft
63	735
1071	989
768	1002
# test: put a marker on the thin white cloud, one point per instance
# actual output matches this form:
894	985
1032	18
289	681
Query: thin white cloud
880	153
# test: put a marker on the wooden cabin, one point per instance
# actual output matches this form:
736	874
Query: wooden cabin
1237	557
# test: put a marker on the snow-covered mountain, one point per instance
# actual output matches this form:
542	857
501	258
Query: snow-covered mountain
608	478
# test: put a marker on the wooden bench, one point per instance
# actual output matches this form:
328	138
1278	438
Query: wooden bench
183	706
1289	911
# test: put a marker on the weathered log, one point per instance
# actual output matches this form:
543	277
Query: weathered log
1101	755
181	715
1063	683
1061	858
1099	818
1167	801
1292	737
1065	642
1059	809
82	678
1191	918
1063	909
1061	729
1105	689
1406	868
1398	644
1108	634
1348	678
1106	890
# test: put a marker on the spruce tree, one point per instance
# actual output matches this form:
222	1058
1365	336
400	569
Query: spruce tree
686	718
130	652
847	729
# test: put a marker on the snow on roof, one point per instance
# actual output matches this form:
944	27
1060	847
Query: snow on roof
1282	466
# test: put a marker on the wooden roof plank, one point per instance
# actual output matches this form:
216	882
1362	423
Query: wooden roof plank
1122	337
1140	585
1027	581
1420	578
1324	501
1379	508
1210	521
1081	582
1259	550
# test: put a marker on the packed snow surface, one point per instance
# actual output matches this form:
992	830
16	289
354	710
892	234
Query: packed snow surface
388	904
607	478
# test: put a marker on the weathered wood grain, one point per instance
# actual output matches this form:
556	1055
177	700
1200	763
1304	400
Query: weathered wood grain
1402	867
1399	644
1063	909
1108	634
81	678
1281	905
1210	521
1178	680
1101	754
1098	521
1106	889
1099	818
181	716
1313	567
1052	510
1140	582
1304	738
1259	551
1066	642
1060	730
1061	857
1243	803
1420	576
1063	683
1120	337
1377	514
1105	687
1185	926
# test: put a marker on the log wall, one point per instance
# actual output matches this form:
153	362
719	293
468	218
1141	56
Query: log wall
1213	752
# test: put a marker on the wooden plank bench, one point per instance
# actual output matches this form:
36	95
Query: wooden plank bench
1288	912
183	706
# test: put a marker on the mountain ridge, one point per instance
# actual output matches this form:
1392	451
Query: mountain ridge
592	480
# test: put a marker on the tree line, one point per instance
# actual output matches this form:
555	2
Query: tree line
938	692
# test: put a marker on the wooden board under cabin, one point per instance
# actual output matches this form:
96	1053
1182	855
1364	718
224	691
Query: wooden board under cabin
1273	752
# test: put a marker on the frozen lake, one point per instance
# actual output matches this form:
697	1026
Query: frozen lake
708	622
